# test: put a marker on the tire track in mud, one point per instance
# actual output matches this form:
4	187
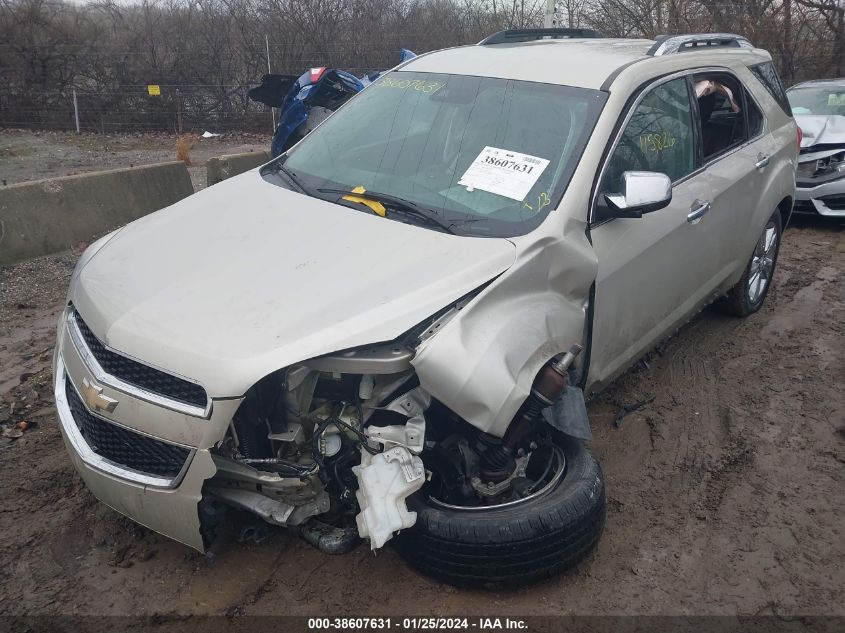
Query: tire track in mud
722	467
737	457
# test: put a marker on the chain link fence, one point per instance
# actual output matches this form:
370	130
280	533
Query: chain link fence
176	108
87	65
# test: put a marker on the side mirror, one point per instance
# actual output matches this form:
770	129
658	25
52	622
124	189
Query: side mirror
642	192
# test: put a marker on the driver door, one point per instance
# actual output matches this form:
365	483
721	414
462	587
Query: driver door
653	271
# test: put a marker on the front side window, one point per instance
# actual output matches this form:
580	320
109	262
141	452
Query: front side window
489	157
659	137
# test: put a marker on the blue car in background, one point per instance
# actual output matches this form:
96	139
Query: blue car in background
305	101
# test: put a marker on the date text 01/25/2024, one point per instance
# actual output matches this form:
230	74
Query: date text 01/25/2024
417	624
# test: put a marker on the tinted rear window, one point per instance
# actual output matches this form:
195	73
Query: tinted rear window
768	76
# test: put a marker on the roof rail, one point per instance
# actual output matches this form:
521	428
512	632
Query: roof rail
670	44
512	36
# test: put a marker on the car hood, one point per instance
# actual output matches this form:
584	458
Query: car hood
246	277
819	129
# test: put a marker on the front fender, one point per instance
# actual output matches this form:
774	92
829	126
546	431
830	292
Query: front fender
483	362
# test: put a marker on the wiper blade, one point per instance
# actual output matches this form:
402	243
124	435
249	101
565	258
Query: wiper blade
280	167
405	207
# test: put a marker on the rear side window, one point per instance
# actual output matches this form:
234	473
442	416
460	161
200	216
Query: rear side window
659	137
768	76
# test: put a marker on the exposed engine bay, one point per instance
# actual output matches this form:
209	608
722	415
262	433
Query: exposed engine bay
813	163
333	447
820	172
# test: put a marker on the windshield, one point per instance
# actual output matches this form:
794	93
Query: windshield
486	156
825	101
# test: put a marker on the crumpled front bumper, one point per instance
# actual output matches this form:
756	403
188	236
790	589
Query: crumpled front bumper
166	505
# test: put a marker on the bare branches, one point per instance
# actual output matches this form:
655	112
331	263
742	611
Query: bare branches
109	50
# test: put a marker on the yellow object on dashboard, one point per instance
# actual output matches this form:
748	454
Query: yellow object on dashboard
375	205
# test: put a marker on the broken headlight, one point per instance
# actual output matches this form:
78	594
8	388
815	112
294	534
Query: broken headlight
822	166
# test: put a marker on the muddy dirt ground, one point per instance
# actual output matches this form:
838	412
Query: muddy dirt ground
726	492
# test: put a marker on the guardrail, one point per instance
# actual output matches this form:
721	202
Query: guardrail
47	216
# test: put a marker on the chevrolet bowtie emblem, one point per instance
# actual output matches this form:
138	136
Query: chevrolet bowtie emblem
94	398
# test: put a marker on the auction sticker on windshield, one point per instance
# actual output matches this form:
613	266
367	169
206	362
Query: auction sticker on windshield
505	173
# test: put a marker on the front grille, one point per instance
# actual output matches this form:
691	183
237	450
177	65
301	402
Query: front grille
804	206
141	375
122	446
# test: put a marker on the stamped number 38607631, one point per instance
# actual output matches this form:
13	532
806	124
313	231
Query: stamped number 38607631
411	84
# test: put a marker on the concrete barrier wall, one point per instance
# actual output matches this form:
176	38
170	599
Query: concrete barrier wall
224	167
46	216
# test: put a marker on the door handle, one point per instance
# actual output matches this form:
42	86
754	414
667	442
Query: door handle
698	211
762	161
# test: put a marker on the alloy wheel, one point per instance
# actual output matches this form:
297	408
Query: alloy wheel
762	263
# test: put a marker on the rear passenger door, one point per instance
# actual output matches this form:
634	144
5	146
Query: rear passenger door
655	270
733	178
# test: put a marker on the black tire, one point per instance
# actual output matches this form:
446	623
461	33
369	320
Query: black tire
738	301
513	545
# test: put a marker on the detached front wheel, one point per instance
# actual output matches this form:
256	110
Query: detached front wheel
512	543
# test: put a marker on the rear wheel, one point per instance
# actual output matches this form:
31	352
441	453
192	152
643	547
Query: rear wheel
516	542
749	293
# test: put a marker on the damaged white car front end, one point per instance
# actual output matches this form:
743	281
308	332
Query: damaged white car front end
819	109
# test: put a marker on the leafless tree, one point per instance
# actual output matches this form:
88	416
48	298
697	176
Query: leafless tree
206	53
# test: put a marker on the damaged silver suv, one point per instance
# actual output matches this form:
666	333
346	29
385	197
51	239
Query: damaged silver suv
389	331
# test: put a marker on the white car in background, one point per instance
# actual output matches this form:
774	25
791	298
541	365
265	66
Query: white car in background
819	109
